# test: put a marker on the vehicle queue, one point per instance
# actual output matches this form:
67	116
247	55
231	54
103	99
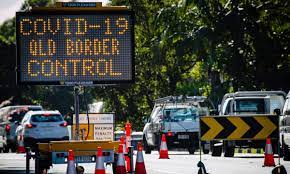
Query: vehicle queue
176	117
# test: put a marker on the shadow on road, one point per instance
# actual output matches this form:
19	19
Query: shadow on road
14	172
248	157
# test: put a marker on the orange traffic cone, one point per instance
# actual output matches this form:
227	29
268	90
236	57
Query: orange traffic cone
127	159
71	168
100	168
269	156
163	152
21	148
140	166
120	168
122	141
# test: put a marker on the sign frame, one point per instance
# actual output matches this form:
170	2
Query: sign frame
239	126
92	124
75	11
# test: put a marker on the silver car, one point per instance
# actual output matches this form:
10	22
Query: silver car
42	126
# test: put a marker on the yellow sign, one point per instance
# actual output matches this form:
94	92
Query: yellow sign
85	128
257	127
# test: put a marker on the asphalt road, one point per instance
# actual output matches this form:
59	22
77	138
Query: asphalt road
179	163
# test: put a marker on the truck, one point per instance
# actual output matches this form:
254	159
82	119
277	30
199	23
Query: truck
285	129
178	118
245	103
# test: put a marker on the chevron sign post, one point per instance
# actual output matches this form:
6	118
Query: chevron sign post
239	127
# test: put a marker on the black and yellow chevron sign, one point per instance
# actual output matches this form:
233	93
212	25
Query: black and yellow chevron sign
239	127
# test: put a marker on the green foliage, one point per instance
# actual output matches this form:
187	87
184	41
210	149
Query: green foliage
187	47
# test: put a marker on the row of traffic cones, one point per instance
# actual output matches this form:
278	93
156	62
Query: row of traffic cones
140	165
100	167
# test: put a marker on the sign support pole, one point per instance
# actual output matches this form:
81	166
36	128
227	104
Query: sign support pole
76	97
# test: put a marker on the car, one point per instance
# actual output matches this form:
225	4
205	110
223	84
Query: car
136	137
178	118
118	135
42	127
285	129
247	103
9	117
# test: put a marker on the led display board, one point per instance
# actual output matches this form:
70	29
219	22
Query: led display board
75	47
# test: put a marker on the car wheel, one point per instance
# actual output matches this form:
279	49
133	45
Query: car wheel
229	151
5	149
147	149
13	149
275	147
205	151
286	153
217	150
191	150
1	149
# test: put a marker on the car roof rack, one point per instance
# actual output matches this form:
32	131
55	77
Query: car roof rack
180	99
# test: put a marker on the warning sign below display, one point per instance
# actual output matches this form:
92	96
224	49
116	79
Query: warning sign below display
103	132
101	126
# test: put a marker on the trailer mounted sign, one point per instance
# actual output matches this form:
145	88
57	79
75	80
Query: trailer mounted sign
75	47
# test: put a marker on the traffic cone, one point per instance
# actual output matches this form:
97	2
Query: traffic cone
71	168
120	168
122	141
100	168
21	148
140	166
127	159
163	153
269	156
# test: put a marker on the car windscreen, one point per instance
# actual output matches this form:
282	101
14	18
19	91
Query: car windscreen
180	114
17	115
35	108
250	105
286	109
46	118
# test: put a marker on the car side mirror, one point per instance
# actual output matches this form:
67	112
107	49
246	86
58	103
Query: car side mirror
287	112
213	112
277	111
145	120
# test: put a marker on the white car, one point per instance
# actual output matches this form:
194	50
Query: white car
42	126
285	129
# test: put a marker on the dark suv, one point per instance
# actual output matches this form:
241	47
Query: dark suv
10	116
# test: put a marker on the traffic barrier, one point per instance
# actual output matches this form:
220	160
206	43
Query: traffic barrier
21	148
120	168
128	143
100	167
71	168
163	152
140	165
269	156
